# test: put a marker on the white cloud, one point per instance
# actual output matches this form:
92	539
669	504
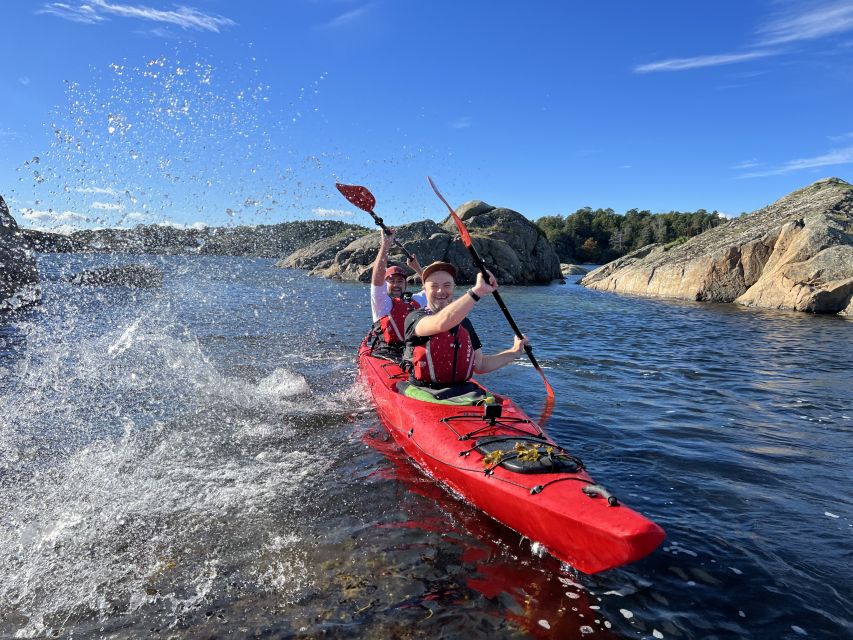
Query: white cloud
159	32
461	123
24	80
819	21
679	64
331	213
53	216
746	164
180	225
80	13
7	133
63	229
94	11
135	215
835	157
841	138
100	190
107	206
347	17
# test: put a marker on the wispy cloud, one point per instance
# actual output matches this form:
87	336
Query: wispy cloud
107	206
96	11
461	123
99	190
24	80
679	64
835	157
841	138
820	21
7	133
347	17
159	32
80	13
746	164
817	21
331	213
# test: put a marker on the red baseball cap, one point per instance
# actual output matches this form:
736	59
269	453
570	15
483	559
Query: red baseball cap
394	271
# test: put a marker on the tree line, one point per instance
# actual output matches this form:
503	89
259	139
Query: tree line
601	235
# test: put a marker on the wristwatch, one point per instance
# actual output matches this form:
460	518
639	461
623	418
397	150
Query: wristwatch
473	295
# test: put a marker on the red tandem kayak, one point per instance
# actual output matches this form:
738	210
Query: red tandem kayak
509	468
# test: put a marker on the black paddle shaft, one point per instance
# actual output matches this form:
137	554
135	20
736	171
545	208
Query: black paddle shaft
478	261
387	232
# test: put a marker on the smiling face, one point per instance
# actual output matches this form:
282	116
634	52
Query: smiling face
439	290
395	285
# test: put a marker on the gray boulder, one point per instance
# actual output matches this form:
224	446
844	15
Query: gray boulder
509	242
512	246
573	270
136	276
796	253
321	253
19	278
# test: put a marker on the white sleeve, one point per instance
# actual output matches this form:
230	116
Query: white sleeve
380	301
420	298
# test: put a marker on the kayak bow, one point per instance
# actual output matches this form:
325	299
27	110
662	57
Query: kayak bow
499	460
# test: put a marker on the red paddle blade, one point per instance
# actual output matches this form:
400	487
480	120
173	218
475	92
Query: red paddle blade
466	237
359	196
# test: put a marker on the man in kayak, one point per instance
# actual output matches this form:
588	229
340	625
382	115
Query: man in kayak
390	303
442	349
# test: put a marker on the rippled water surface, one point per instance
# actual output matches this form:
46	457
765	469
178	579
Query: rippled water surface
198	460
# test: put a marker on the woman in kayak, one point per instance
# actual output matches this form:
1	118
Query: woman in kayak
442	349
390	303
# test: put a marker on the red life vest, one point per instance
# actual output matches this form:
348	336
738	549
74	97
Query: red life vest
392	326
446	359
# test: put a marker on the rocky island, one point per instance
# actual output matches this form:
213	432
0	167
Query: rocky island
19	278
796	253
260	241
515	248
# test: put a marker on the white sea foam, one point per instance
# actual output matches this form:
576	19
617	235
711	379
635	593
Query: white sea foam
164	471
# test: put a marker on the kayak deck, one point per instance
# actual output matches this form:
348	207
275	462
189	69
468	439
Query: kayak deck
559	505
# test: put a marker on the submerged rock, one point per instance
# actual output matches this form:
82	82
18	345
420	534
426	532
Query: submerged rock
134	275
511	245
796	253
19	278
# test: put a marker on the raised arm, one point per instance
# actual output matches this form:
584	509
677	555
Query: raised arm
456	311
414	265
381	262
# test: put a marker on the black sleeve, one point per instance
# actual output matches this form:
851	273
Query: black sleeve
412	320
475	339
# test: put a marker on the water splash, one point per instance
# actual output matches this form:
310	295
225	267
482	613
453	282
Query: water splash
171	138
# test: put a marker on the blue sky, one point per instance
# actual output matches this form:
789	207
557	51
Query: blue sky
216	112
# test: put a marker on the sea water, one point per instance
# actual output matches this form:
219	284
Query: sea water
199	460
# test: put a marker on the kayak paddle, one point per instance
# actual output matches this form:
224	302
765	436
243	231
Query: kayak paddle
364	200
478	262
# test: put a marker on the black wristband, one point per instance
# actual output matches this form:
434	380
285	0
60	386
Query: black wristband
473	295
